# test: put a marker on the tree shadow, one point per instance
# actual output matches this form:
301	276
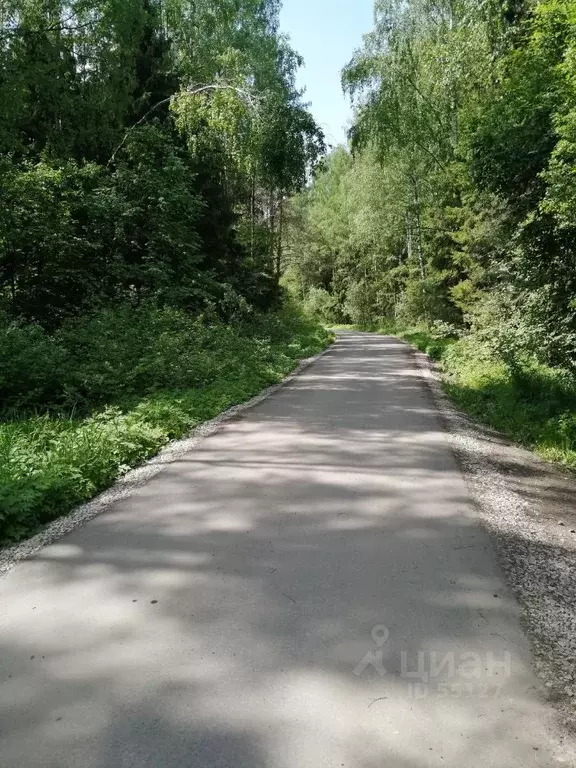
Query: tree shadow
310	588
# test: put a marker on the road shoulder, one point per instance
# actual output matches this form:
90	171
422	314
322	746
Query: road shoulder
528	507
127	484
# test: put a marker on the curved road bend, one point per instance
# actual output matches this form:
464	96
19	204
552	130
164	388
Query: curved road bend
308	588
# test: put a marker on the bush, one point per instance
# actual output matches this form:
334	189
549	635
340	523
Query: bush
434	342
423	301
532	403
31	366
321	304
55	233
141	378
359	303
46	465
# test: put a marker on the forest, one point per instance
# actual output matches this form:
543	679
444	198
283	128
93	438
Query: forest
174	236
451	218
147	148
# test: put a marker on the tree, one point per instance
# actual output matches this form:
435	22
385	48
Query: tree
459	195
163	138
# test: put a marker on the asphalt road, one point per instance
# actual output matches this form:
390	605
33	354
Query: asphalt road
310	587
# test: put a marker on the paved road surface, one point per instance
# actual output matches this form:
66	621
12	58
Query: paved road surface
309	588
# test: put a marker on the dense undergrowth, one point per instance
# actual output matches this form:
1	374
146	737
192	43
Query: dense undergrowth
531	403
104	393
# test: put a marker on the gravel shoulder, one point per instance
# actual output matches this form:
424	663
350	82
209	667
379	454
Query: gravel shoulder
529	508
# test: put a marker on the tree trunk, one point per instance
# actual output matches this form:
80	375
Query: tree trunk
252	214
272	231
418	231
408	237
279	242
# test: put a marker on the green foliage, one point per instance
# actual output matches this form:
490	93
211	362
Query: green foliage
30	365
453	213
141	232
44	261
74	237
320	304
531	403
48	465
142	378
433	342
359	303
123	180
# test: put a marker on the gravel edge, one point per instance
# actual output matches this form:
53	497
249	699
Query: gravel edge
535	543
139	476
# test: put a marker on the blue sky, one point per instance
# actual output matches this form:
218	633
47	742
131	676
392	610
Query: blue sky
326	33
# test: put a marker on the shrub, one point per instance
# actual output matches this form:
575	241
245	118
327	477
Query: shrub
141	378
321	304
32	366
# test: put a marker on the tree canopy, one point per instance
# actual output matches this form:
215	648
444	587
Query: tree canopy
455	202
146	151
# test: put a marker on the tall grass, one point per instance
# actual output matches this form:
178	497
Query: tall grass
121	393
533	404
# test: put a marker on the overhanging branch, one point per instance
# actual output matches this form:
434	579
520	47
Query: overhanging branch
245	95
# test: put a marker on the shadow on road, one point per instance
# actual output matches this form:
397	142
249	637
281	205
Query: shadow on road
219	616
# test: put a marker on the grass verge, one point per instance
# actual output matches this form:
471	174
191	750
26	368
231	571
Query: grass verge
107	417
531	403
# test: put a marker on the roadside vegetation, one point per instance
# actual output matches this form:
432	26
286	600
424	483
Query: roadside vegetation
532	403
147	150
108	391
451	218
164	189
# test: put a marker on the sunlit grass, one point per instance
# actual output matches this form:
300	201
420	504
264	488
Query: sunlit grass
534	404
50	462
